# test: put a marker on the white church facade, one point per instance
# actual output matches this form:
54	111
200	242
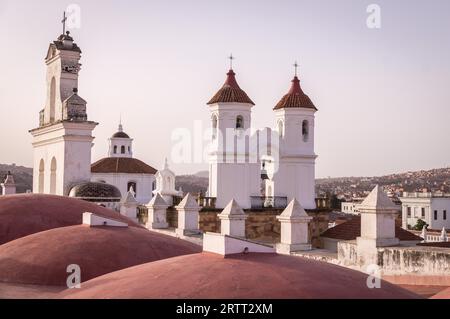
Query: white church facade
243	164
261	167
124	171
62	143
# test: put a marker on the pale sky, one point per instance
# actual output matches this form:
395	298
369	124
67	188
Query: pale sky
383	94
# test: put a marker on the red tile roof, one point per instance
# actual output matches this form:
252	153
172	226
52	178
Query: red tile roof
438	244
122	165
231	92
295	98
352	229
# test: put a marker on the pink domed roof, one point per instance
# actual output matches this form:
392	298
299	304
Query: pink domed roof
260	276
42	258
22	215
445	294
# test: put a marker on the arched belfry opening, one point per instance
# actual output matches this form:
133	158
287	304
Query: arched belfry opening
41	177
52	99
214	126
239	122
53	168
305	130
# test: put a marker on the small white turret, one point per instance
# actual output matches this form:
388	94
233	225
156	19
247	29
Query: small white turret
157	213
128	206
444	237
9	185
232	220
188	210
165	184
294	229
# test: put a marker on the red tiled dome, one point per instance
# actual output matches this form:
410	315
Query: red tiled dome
42	259
231	92
23	215
295	98
253	276
445	294
122	165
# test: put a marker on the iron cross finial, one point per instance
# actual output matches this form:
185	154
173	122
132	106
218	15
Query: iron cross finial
63	21
231	57
296	68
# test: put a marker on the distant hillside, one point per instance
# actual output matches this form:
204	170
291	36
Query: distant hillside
192	183
432	180
23	176
418	181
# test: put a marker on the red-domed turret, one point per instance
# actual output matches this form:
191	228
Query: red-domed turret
231	92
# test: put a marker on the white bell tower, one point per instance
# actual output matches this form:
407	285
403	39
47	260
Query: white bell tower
62	143
120	144
294	177
234	171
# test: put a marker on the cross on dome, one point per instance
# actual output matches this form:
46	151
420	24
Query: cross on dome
231	58
63	21
296	68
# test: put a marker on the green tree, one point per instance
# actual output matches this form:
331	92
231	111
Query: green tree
420	225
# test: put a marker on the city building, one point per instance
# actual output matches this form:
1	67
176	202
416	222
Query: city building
283	158
124	171
432	208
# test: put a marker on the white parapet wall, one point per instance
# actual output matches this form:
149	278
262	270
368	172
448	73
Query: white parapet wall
400	261
227	245
93	220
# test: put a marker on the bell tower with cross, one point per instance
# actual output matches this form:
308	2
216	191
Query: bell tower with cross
62	142
295	123
234	170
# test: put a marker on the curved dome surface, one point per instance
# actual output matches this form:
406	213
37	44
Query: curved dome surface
42	259
254	276
124	165
120	134
445	294
91	190
26	214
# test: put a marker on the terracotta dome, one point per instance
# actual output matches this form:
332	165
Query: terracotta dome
254	276
445	294
295	98
120	135
231	92
23	215
124	165
42	259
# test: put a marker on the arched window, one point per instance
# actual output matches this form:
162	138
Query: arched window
214	127
305	130
132	185
115	149
122	149
281	128
52	99
41	177
53	176
239	122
